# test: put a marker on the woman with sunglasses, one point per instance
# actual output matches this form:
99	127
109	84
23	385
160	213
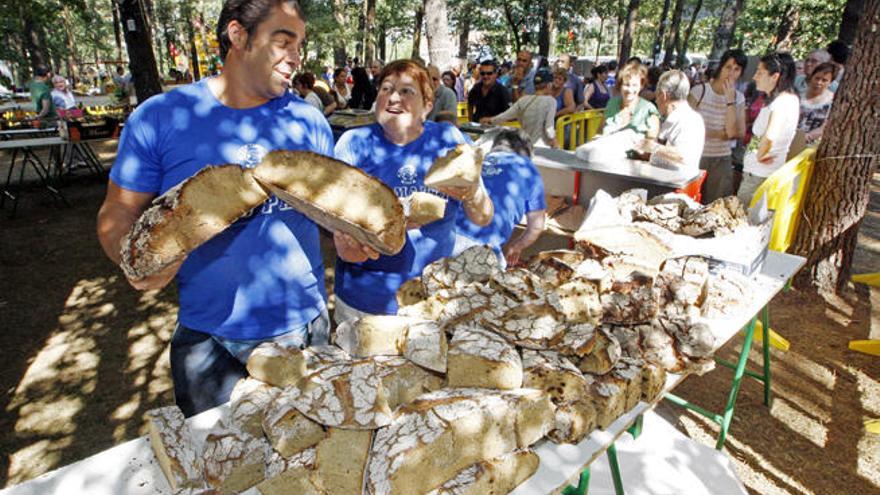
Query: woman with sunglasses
775	127
398	150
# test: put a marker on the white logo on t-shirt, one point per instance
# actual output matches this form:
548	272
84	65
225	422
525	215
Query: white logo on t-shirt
250	155
491	168
407	174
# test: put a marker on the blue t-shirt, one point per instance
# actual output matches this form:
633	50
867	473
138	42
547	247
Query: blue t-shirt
264	275
515	187
371	286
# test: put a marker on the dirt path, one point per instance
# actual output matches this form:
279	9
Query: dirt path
85	356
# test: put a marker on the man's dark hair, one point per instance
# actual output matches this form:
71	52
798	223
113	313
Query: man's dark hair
633	59
612	65
839	51
41	71
248	13
513	141
490	61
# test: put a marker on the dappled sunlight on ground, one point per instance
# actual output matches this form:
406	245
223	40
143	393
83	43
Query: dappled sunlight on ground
67	383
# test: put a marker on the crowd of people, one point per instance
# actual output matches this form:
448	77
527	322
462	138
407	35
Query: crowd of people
262	279
739	148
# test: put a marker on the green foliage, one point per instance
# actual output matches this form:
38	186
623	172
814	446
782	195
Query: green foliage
499	25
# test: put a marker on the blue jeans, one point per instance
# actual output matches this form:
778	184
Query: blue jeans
205	367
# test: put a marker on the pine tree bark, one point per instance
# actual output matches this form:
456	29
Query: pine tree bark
850	21
142	62
682	52
437	32
726	26
674	37
838	193
629	28
191	40
655	48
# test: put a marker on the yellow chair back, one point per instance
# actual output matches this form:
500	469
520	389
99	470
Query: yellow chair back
580	126
786	190
462	112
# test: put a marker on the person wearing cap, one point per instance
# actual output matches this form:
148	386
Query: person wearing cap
41	93
536	113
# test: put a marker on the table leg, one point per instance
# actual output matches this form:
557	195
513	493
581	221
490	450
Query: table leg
583	484
737	381
636	429
43	173
615	469
6	186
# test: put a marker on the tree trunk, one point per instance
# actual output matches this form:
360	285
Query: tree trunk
117	34
726	26
682	53
70	43
437	31
417	30
658	40
838	193
514	28
787	27
545	33
32	42
191	41
673	38
599	38
850	21
383	42
339	54
629	28
142	62
369	24
463	34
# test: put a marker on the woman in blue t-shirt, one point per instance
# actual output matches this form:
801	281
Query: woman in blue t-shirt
399	149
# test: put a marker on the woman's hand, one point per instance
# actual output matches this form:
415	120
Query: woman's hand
462	194
352	251
729	91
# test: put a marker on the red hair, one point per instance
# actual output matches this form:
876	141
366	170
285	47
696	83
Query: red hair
414	70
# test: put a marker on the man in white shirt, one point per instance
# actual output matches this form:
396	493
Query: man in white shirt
682	133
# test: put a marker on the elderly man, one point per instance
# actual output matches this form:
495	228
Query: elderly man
445	103
62	97
487	98
527	85
682	133
816	57
574	82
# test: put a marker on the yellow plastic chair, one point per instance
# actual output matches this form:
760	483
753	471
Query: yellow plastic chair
581	127
462	112
786	191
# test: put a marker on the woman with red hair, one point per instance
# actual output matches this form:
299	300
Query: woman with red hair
399	149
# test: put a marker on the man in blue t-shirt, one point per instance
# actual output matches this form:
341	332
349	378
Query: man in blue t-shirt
516	189
262	278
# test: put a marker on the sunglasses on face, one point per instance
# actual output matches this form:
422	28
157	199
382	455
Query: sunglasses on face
489	73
